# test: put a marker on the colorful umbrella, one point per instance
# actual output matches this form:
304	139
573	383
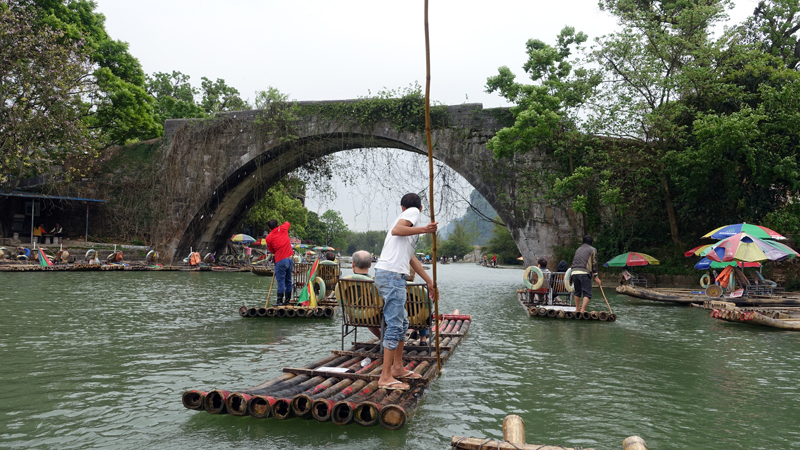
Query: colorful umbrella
747	248
262	241
753	230
705	263
299	246
310	253
631	259
700	250
242	238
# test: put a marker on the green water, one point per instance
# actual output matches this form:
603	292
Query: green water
99	360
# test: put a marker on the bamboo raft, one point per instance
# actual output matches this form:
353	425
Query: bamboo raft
559	311
341	388
514	439
263	271
324	312
775	317
689	296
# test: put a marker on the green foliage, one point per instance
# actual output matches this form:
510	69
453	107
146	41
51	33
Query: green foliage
334	228
42	83
460	241
219	97
371	241
280	205
174	97
122	112
503	245
315	230
547	109
405	110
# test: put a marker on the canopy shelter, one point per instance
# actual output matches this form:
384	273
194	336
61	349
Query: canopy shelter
34	195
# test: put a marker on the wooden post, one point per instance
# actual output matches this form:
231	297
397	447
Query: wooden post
634	443
514	429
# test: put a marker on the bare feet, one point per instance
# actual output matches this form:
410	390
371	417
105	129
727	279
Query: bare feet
393	385
406	374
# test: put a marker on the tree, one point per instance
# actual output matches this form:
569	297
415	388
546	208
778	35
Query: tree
42	82
775	25
459	242
335	229
121	111
280	205
371	241
315	230
662	53
174	95
219	97
503	245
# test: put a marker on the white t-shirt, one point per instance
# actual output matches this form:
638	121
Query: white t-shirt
398	250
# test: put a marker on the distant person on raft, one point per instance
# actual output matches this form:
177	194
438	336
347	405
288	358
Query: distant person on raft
278	243
584	267
391	271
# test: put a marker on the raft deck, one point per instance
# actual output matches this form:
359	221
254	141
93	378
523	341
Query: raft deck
342	388
558	311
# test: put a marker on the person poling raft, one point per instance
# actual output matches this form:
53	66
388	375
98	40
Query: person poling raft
342	388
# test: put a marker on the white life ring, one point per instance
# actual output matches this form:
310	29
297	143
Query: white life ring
90	254
321	283
539	278
568	282
707	282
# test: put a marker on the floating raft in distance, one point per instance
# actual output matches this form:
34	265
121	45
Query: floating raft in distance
688	296
514	439
783	318
342	388
287	311
559	311
263	271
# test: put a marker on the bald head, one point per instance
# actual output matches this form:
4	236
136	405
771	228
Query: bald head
361	261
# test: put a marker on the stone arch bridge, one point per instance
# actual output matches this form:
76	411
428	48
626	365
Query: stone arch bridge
222	167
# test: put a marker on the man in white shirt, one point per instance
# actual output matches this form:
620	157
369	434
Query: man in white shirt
391	271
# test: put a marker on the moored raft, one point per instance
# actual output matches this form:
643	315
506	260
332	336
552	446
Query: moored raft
514	439
689	296
263	271
775	317
341	388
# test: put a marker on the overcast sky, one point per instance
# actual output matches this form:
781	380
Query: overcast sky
332	50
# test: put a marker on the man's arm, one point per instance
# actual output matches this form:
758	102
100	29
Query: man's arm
404	228
417	266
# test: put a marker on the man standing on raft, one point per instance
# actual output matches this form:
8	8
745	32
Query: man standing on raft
391	271
279	244
584	265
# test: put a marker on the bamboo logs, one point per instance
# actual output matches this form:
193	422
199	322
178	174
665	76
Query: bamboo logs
342	388
288	311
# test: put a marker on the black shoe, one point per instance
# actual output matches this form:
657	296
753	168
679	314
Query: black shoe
414	335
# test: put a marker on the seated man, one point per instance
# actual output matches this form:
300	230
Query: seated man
329	271
57	231
361	264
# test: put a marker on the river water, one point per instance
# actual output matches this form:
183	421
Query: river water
100	360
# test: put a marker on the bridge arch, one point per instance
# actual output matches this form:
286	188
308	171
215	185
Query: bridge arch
222	168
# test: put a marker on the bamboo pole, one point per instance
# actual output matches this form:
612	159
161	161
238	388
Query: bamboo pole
604	298
430	172
266	304
514	429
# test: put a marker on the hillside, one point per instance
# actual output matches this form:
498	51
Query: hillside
472	219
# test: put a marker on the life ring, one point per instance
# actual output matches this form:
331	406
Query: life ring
22	258
526	277
568	281
707	282
240	257
318	281
90	254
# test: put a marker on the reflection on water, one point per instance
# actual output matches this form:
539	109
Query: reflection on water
100	360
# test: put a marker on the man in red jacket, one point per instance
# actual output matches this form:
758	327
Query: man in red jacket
278	243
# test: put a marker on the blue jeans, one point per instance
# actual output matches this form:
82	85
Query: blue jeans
392	287
283	275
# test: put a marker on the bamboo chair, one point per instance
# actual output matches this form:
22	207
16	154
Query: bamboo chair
559	295
300	277
419	308
362	306
330	274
